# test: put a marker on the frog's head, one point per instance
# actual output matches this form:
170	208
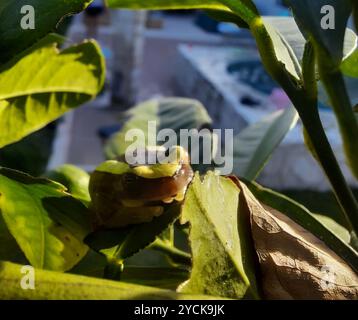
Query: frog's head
129	190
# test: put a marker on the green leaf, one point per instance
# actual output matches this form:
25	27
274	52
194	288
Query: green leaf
279	38
174	256
276	53
289	30
226	16
48	14
254	145
50	285
9	249
219	238
350	66
214	8
338	230
47	223
168	113
307	220
309	17
283	50
125	242
74	179
43	84
245	9
165	5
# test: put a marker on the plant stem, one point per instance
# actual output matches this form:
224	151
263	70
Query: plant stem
175	254
329	163
306	106
334	84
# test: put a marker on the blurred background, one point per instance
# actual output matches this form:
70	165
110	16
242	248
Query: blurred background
187	54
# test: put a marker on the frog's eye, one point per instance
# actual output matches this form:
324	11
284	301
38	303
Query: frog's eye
116	186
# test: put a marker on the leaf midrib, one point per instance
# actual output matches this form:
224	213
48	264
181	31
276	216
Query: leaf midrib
62	90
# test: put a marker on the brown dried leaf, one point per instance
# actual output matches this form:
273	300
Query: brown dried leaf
294	263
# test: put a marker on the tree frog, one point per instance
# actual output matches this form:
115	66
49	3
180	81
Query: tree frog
124	194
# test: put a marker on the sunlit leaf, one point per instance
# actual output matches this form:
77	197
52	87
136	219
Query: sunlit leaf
165	5
244	9
288	42
350	66
338	230
50	285
219	239
290	31
226	16
73	178
48	224
41	85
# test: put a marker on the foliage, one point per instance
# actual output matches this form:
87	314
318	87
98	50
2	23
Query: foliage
123	243
169	113
350	66
74	287
233	232
220	241
48	16
254	145
30	100
74	179
48	224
